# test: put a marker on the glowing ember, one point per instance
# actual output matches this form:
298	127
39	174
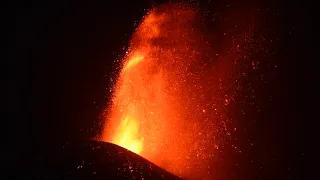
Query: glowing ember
171	95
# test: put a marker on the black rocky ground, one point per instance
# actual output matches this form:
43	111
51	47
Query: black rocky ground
90	160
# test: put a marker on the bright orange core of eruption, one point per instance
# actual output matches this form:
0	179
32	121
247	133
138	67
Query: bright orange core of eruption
160	106
127	136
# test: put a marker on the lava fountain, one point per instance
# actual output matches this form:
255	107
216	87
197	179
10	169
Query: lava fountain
171	95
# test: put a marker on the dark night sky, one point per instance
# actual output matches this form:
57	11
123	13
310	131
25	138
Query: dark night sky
61	59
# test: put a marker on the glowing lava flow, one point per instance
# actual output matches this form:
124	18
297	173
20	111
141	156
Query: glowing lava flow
170	98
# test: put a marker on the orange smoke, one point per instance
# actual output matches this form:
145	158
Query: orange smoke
168	102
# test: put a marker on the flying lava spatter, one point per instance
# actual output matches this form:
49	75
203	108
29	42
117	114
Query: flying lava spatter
170	99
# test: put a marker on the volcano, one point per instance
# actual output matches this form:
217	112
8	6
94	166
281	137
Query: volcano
91	160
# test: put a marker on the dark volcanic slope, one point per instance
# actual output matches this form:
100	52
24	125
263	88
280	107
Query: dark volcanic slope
93	160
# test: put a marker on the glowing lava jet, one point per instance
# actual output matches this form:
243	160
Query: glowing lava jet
170	97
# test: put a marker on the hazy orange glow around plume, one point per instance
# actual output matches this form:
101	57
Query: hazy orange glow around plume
170	98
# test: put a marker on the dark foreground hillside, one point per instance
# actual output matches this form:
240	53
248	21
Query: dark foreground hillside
89	160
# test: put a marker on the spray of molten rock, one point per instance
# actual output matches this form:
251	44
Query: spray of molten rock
170	98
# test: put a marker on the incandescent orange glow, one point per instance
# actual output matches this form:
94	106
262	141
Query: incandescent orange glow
169	100
127	136
132	62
